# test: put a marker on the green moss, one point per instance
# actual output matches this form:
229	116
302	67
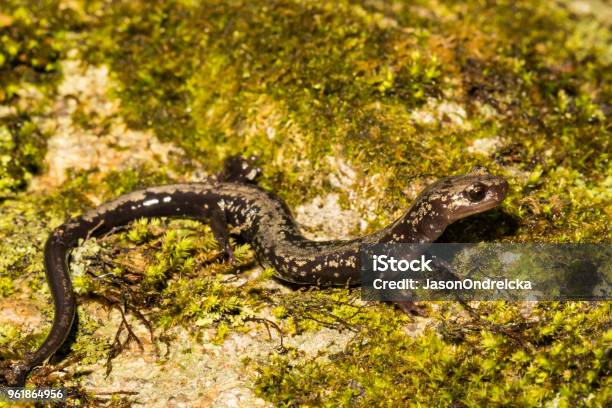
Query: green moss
32	43
558	354
297	81
312	309
22	148
399	92
121	182
168	271
28	218
23	233
89	348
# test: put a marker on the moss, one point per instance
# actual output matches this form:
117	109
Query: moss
24	231
401	94
558	354
27	219
312	309
32	43
169	271
22	148
293	81
293	70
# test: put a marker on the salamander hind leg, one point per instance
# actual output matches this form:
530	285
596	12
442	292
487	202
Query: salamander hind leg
240	169
219	227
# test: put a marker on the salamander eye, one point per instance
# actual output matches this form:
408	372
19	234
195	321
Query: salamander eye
477	192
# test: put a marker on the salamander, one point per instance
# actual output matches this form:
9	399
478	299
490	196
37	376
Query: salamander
233	201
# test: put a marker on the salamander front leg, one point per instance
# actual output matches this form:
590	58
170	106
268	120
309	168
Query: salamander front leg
220	230
411	308
441	270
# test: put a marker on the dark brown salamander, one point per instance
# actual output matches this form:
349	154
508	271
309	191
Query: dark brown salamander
261	219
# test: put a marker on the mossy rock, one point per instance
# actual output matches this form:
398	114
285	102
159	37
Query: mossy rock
366	102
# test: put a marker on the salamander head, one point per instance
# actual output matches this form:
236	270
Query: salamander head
458	197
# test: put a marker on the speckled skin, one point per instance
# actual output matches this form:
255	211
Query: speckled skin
261	219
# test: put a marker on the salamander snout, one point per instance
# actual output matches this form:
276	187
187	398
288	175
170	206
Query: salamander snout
461	196
493	190
480	192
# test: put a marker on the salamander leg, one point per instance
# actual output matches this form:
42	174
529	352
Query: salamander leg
240	169
411	308
441	270
219	227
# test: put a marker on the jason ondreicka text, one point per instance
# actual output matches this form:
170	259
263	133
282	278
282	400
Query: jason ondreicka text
464	284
